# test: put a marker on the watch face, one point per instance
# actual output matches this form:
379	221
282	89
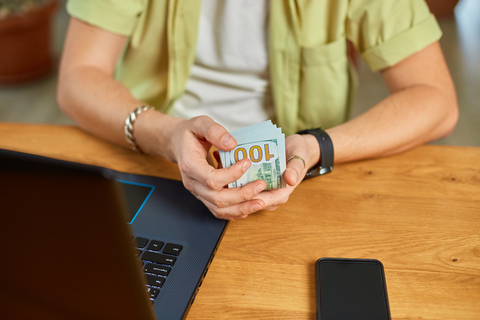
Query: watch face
312	173
325	170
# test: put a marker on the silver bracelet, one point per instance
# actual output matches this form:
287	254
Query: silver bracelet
129	126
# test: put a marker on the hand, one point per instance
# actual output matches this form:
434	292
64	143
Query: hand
304	146
190	142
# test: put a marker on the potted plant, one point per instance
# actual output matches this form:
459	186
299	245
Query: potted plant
25	40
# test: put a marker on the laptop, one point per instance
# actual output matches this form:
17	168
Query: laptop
83	242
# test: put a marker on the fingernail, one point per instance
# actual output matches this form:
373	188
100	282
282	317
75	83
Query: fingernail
228	141
245	166
258	188
255	207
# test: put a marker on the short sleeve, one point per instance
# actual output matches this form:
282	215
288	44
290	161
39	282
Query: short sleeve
117	16
387	31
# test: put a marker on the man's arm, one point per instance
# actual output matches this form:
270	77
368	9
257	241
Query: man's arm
422	107
88	93
86	90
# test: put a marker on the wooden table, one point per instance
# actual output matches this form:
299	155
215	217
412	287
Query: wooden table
418	213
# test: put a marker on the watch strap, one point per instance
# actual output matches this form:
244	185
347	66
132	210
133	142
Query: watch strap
325	164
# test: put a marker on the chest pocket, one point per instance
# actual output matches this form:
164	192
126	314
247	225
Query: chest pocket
325	83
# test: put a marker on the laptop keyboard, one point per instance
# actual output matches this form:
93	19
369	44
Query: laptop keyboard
158	259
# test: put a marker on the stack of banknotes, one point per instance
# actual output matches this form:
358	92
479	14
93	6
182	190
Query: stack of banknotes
264	145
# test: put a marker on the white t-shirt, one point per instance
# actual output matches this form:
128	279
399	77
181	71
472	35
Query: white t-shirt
229	79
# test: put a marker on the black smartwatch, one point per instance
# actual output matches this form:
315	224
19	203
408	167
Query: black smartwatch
326	153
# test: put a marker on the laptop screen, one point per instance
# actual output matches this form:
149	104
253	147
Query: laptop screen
60	264
68	246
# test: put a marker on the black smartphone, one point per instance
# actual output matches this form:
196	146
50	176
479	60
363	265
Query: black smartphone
351	289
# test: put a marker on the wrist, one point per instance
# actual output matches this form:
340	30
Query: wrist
314	149
325	165
154	132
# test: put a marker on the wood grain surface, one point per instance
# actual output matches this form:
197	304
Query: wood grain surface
417	212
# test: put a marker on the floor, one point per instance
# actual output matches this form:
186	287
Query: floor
36	102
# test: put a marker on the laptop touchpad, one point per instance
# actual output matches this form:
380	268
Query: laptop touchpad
136	196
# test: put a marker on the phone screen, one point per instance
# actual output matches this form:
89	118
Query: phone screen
351	289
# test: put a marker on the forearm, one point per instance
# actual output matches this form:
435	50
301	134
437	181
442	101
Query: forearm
422	107
403	120
89	94
100	104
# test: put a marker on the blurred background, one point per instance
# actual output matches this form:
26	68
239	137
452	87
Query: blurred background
28	81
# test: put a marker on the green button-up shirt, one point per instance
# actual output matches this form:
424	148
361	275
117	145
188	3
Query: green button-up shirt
312	79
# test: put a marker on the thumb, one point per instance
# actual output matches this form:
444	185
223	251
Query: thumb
216	134
295	170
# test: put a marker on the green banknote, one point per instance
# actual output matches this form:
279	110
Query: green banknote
265	166
264	145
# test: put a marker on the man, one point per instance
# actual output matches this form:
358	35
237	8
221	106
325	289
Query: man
277	59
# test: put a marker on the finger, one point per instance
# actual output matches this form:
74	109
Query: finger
234	212
274	198
216	179
271	208
226	197
214	133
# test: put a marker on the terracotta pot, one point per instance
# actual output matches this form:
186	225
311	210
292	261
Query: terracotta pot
442	8
25	42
